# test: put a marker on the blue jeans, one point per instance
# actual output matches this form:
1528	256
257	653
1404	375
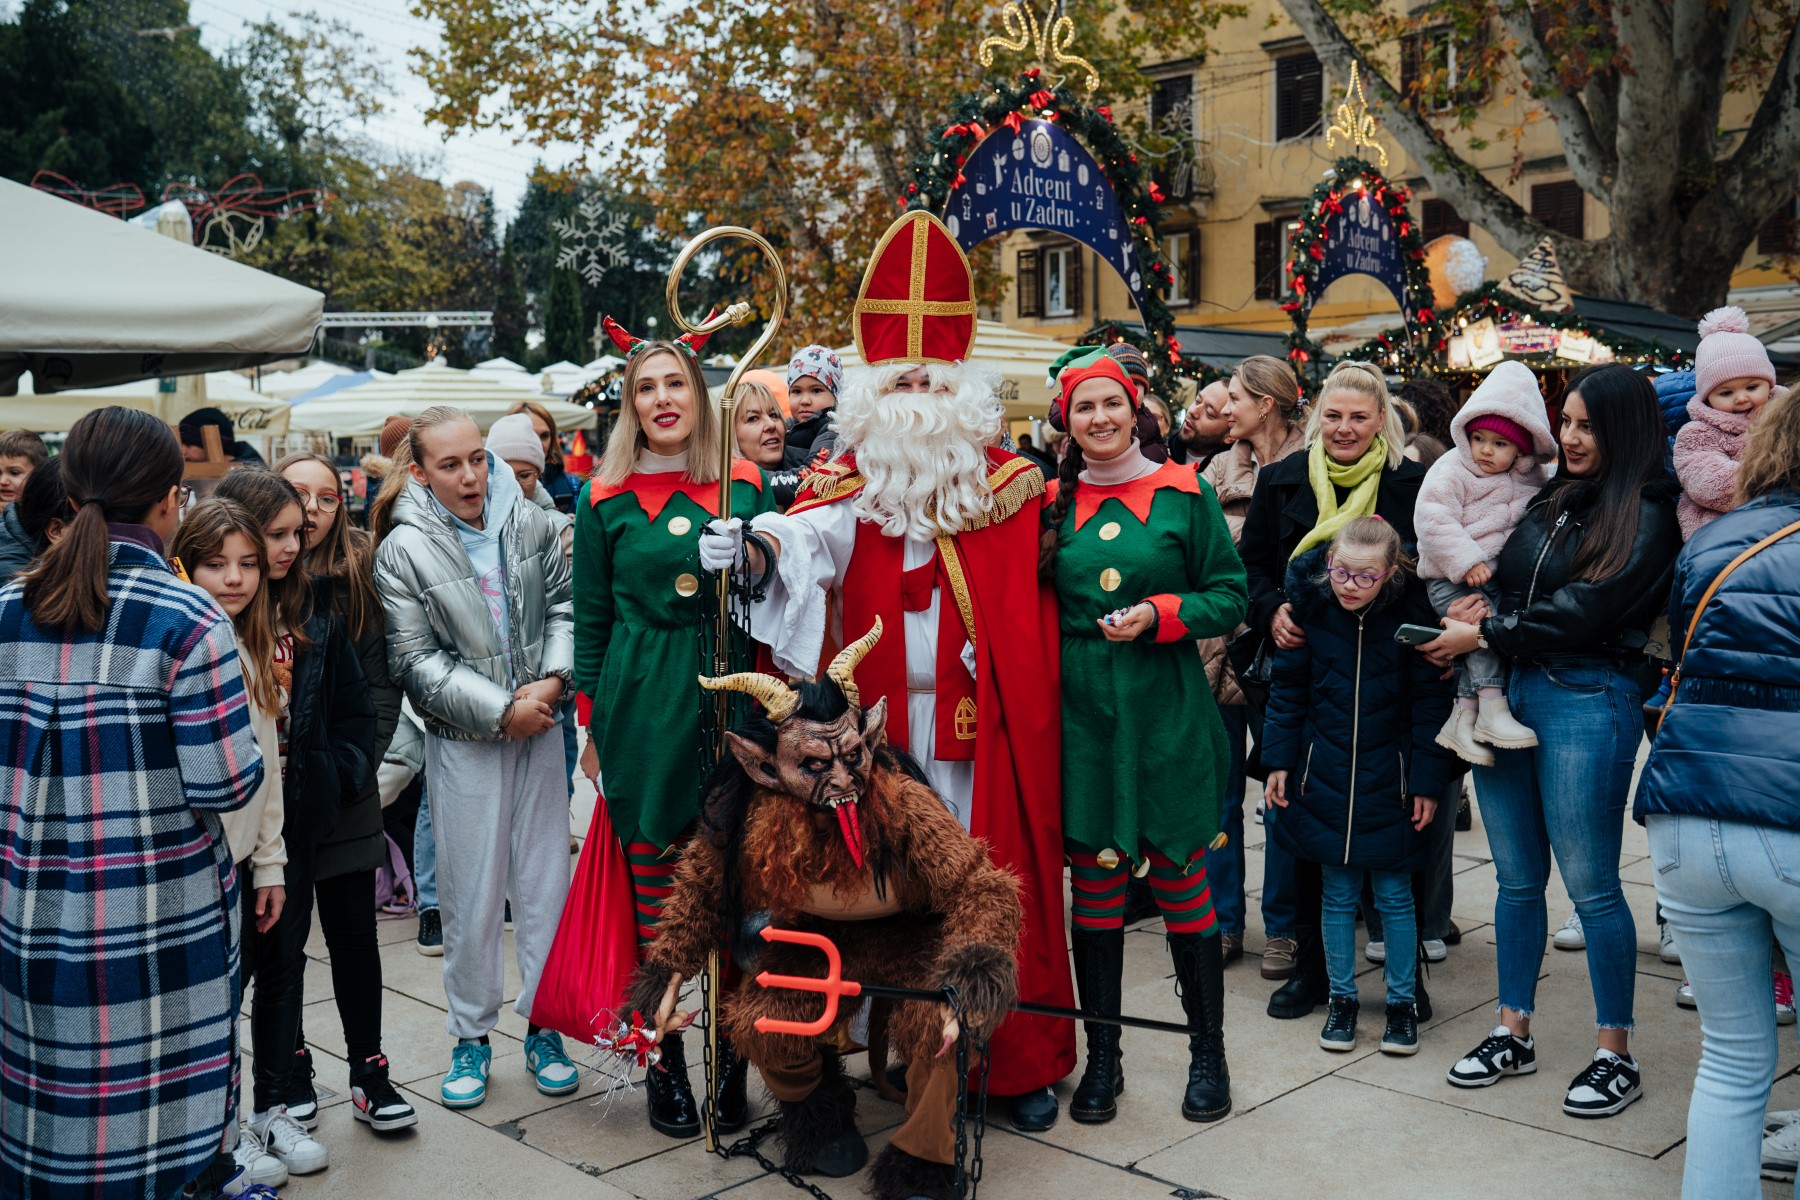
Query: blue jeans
1342	890
424	853
1567	794
1280	902
1225	866
1728	890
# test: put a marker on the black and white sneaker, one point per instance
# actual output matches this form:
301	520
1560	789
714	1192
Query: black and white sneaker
1606	1087
1402	1033
302	1099
430	941
1339	1033
1501	1054
377	1103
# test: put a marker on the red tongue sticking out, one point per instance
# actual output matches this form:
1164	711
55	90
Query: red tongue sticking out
851	828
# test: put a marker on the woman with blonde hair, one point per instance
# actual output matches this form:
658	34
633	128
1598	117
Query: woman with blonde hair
639	604
1353	467
1264	414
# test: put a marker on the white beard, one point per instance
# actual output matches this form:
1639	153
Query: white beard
923	454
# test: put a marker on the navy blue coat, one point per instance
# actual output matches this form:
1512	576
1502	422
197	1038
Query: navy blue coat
1729	747
1353	718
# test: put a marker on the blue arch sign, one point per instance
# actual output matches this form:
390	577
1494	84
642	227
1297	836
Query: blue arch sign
1360	240
1039	177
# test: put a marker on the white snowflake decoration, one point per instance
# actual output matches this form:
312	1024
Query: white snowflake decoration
594	243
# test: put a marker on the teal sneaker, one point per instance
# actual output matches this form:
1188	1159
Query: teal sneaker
544	1058
466	1084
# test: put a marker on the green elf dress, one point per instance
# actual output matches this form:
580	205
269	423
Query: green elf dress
1144	751
639	608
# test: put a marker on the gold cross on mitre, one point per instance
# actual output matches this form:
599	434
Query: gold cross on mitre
1354	122
915	307
1050	39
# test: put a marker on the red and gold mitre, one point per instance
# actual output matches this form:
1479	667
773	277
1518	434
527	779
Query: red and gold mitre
917	303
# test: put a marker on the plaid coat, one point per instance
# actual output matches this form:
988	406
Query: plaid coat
118	900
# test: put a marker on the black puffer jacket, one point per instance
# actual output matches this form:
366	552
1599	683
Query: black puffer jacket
1545	614
357	843
1283	510
330	739
808	437
1353	717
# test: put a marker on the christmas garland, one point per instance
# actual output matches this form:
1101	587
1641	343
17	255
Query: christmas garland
1009	105
1492	300
1426	336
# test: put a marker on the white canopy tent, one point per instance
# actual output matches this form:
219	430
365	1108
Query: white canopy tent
288	384
359	411
87	300
505	370
1021	359
252	413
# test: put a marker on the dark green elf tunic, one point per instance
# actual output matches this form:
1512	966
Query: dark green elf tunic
1144	751
640	607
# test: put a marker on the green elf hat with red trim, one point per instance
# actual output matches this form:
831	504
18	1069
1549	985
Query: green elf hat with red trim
1077	367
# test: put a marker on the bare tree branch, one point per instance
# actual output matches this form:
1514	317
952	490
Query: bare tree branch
1590	160
1454	179
1706	39
1755	179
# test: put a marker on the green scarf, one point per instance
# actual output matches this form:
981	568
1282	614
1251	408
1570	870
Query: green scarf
1327	474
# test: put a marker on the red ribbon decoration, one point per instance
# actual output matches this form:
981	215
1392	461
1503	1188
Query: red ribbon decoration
115	201
242	194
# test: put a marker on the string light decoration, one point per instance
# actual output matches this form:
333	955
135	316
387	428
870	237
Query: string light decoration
239	209
1048	39
114	201
1007	104
1355	123
1492	302
1425	336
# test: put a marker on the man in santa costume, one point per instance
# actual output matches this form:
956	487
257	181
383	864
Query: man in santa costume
921	520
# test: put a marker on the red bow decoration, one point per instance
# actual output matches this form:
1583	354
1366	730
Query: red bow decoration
1014	120
242	195
1105	112
1156	193
1041	99
116	200
629	343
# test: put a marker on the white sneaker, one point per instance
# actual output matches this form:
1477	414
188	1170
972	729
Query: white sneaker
1684	996
1375	952
1781	1154
287	1140
1668	953
1436	950
259	1165
1776	1118
1570	936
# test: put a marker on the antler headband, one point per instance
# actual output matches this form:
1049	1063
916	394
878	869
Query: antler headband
630	343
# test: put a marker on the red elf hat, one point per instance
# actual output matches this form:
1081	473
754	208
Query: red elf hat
917	302
1076	368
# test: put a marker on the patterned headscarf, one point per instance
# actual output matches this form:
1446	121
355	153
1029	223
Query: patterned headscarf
821	362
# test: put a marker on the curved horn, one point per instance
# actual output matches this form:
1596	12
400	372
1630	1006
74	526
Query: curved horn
842	670
625	340
776	697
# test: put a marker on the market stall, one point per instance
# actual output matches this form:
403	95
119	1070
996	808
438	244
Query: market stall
358	412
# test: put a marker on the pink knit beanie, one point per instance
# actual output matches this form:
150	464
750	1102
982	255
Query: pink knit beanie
1506	427
1728	351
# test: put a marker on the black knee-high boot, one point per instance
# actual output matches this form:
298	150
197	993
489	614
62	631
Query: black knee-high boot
1200	972
1099	975
672	1107
731	1070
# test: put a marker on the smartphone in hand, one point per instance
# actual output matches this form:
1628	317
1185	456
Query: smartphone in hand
1417	635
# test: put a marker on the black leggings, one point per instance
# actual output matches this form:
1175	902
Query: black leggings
347	919
277	961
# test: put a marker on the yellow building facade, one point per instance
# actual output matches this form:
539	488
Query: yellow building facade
1246	124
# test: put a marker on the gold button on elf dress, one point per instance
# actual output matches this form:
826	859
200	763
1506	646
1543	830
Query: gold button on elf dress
1110	580
686	585
679	526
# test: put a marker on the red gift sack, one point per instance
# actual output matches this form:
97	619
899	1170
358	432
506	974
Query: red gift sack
590	962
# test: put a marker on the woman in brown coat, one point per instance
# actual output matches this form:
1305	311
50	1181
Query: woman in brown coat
1265	427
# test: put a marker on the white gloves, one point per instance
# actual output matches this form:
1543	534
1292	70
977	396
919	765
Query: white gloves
722	544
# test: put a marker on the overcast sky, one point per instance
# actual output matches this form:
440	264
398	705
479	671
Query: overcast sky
388	30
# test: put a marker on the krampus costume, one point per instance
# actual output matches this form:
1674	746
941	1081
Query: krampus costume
816	822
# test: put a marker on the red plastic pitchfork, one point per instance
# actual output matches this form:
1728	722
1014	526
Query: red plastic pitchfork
835	987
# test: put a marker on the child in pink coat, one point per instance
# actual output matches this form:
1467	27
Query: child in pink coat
1733	379
1470	502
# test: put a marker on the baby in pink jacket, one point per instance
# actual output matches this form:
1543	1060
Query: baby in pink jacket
1733	379
1469	503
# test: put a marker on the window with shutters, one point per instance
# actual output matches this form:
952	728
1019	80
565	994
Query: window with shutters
1561	206
1172	124
1271	243
1777	233
1438	218
1299	94
1029	286
1436	59
1180	251
1062	281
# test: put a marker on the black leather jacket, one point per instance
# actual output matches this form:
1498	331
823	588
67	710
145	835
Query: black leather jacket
331	729
1544	613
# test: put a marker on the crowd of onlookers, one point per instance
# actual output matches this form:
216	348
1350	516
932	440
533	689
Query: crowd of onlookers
211	699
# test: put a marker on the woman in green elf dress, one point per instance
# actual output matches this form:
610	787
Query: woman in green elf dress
639	608
1143	565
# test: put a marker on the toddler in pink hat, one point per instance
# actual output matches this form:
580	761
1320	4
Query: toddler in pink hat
1733	379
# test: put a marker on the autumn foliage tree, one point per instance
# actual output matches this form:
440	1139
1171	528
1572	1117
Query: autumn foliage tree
1682	117
800	121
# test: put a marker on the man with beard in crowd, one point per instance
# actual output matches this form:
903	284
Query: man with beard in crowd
1203	426
921	520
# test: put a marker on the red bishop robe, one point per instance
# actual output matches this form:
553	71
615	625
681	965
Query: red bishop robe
993	597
